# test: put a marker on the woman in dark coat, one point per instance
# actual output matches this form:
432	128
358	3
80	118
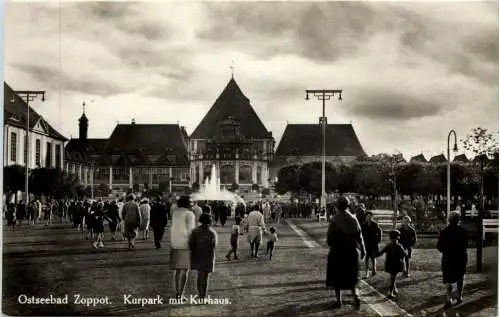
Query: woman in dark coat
452	244
223	214
344	238
114	215
202	243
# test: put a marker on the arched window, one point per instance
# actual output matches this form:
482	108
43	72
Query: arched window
227	174
259	173
245	174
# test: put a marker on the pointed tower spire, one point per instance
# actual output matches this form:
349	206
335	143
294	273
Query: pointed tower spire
84	124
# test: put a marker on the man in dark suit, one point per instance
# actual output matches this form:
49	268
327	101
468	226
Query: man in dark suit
159	220
372	235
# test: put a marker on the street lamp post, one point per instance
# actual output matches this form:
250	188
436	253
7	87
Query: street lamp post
28	95
394	163
448	171
323	95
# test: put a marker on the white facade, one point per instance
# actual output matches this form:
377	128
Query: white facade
37	133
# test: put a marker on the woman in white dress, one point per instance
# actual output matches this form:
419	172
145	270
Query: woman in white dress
183	222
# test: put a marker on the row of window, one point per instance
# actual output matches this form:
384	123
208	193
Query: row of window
256	146
120	173
38	149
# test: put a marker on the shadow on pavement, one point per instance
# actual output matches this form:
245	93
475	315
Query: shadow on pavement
468	308
290	284
298	310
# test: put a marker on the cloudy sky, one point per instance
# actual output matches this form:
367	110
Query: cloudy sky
410	71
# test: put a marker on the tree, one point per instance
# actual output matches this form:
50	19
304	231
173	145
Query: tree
14	179
484	145
47	181
405	179
310	178
288	179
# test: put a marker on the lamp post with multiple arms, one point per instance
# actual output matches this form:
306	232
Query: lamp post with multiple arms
323	95
448	171
27	96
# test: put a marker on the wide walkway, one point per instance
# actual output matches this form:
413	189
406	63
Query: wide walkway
50	260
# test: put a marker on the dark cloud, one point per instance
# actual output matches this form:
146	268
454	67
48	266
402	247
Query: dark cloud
320	31
149	30
51	78
387	105
429	37
484	45
104	10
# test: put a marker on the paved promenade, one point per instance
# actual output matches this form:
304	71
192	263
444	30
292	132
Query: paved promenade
55	260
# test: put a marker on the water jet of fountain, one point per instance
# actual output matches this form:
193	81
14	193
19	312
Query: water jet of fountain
212	191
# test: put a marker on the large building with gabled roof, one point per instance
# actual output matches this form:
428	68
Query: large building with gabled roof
135	155
46	143
303	143
232	137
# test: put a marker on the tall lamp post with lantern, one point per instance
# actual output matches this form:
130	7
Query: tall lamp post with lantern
448	171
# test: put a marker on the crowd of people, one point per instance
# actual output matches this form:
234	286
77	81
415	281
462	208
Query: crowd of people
353	234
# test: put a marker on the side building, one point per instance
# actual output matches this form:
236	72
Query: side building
135	156
46	144
303	143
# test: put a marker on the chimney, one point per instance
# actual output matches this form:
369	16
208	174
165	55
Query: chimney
133	121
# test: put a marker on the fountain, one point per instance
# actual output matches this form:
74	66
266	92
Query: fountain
211	191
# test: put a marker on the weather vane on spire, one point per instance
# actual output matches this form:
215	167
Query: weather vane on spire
232	69
83	105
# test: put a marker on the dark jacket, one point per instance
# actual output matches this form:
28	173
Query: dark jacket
372	235
452	244
408	236
394	257
202	243
159	215
344	239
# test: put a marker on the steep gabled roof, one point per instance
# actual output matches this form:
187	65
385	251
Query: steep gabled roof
306	140
137	141
232	103
15	113
461	158
84	150
418	159
438	159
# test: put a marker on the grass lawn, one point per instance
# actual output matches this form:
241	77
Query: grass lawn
423	293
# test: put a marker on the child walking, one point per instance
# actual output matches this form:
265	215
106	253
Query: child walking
272	238
235	233
395	256
98	223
